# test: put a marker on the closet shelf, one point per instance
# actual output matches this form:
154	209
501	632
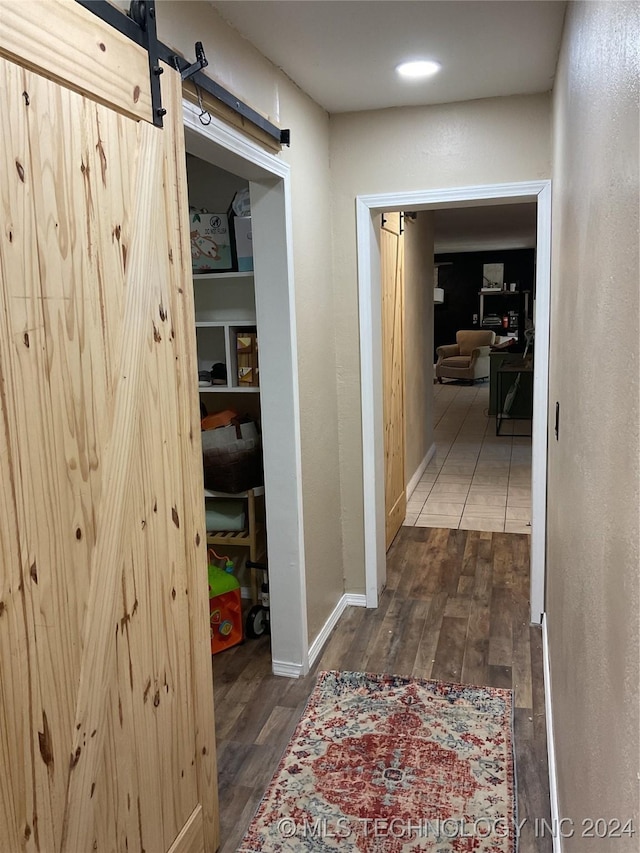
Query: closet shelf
219	276
229	389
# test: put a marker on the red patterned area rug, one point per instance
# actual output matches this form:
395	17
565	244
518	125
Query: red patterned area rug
382	763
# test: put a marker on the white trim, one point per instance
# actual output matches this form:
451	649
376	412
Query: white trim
370	317
413	482
452	196
347	600
367	206
539	447
356	599
288	670
233	141
228	148
551	744
318	644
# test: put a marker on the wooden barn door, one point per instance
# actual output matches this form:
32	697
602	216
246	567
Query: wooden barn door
392	275
106	705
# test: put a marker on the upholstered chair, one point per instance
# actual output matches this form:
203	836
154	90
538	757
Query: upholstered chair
468	358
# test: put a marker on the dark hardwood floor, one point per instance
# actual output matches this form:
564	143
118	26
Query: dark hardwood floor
455	608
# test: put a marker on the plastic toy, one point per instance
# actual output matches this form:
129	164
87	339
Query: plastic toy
225	606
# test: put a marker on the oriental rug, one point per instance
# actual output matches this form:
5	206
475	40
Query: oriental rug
385	763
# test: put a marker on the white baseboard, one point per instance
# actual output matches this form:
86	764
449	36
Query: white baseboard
356	599
297	670
290	670
347	600
551	744
413	482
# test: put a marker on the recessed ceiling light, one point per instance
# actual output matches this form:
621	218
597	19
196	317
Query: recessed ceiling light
418	69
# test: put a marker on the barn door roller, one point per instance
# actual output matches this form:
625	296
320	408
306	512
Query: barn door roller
143	13
140	27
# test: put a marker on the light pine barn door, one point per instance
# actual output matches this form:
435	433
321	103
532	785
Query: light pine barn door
106	706
392	276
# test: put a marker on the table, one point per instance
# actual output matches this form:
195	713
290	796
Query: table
513	372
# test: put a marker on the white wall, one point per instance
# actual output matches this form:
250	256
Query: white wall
235	64
593	489
417	148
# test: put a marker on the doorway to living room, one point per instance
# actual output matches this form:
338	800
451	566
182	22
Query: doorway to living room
368	206
477	472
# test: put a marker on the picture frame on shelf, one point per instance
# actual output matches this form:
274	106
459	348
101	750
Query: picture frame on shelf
492	277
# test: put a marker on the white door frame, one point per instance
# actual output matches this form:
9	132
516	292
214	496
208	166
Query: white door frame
270	190
367	208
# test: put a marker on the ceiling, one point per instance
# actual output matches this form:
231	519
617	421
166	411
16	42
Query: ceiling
489	228
343	54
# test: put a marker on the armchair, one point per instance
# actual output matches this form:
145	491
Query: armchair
468	358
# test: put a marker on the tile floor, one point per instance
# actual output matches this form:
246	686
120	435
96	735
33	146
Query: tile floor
476	480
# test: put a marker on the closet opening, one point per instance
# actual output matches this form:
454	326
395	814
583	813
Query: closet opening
239	201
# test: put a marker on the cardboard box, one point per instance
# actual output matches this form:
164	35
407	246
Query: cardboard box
210	242
242	242
247	355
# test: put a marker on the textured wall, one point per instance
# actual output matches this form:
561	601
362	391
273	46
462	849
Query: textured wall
236	64
416	148
418	339
593	559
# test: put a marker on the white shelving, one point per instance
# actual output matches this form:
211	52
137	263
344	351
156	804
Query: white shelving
218	276
224	304
508	301
225	297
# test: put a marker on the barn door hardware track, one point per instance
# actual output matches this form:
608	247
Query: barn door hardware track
140	27
206	84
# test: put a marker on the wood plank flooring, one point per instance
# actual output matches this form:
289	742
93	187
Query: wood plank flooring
455	608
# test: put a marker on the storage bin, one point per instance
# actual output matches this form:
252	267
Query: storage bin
242	243
232	458
210	242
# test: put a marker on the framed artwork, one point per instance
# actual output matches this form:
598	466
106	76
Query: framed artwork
492	276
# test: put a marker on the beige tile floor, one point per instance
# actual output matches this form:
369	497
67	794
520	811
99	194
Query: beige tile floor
476	480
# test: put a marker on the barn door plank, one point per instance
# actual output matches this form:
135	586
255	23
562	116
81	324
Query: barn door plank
80	52
191	839
106	735
392	283
99	637
188	409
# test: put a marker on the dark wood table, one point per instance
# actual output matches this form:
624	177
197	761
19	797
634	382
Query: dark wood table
512	371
